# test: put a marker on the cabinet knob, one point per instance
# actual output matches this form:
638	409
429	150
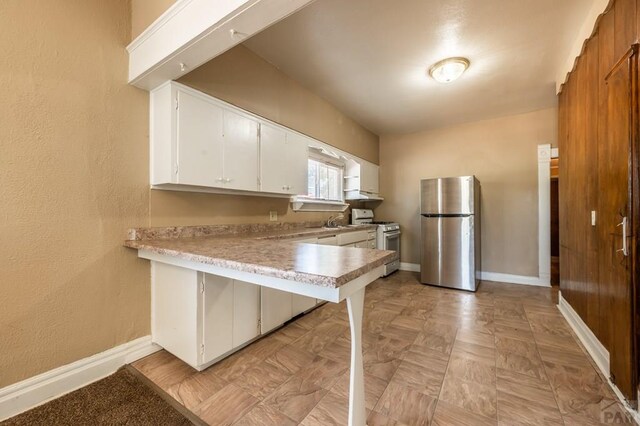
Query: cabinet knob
220	179
227	180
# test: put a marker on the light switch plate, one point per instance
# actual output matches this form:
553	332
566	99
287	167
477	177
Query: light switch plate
273	216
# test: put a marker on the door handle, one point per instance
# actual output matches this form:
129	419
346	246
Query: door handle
625	248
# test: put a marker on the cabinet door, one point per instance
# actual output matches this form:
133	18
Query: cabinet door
369	177
246	312
283	161
297	164
276	308
240	152
273	160
362	244
299	304
199	141
217	324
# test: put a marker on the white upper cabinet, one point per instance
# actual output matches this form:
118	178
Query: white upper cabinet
199	141
361	180
283	161
369	177
240	151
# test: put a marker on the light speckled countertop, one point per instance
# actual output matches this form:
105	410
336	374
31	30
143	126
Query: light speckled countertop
264	250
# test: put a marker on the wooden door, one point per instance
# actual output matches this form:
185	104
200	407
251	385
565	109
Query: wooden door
617	153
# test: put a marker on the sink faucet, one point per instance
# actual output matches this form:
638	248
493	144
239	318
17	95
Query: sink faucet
331	222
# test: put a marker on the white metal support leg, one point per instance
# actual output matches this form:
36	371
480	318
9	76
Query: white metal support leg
357	412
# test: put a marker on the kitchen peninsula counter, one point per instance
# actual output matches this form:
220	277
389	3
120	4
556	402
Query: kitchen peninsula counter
274	253
205	294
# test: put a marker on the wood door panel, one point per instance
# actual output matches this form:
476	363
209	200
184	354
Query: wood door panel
625	25
597	133
614	204
591	88
606	61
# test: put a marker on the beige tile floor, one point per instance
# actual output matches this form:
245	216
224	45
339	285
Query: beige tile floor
503	355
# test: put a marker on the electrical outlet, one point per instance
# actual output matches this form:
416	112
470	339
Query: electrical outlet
273	216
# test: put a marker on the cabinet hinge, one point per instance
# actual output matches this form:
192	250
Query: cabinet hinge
177	102
259	182
202	287
202	349
177	168
259	324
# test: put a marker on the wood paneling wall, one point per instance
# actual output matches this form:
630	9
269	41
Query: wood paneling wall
584	141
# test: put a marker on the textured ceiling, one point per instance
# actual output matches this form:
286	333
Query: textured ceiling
368	57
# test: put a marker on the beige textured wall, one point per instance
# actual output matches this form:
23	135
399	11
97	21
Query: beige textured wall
73	178
244	79
144	12
502	153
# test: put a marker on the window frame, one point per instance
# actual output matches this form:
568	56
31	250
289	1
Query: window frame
334	163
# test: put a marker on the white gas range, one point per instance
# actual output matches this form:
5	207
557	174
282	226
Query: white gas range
387	237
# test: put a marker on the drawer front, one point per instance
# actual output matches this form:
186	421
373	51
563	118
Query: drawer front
352	237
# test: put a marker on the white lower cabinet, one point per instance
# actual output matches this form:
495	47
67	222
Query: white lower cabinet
200	317
218	309
276	308
246	312
300	304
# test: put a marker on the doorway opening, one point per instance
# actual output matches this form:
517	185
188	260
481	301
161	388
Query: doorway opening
554	221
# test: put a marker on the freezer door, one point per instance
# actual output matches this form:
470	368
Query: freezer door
454	195
448	248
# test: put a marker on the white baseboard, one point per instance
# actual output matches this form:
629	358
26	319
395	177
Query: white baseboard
411	267
29	393
515	279
492	276
596	350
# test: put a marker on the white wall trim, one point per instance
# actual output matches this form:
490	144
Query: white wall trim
412	267
192	32
596	350
544	213
29	393
514	279
598	7
490	276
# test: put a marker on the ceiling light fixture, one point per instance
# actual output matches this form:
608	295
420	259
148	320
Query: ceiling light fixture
449	69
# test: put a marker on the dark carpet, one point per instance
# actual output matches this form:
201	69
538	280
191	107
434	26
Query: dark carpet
120	399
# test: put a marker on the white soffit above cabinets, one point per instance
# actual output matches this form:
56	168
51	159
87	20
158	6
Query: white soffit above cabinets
192	32
370	58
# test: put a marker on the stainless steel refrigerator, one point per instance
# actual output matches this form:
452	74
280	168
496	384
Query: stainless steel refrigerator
450	228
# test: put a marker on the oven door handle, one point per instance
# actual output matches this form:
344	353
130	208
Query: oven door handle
392	234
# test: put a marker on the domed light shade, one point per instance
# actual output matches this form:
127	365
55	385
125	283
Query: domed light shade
449	69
